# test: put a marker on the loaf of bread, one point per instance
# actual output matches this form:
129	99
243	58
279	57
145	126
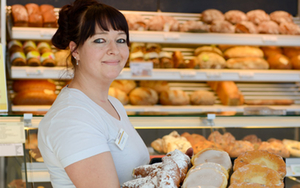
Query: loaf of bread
210	15
202	97
34	97
268	27
243	51
257	16
178	60
62	58
34	15
124	85
229	93
22	85
289	28
174	97
158	86
247	63
49	17
290	52
143	96
20	15
271	50
136	22
119	94
296	62
214	49
209	60
246	27
281	16
222	26
279	61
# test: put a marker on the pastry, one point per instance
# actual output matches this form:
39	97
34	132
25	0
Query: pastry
295	62
265	158
35	18
235	16
163	23
253	139
201	97
165	60
153	57
48	59
194	26
174	97
213	49
293	146
257	16
216	166
239	147
137	46
143	96
33	58
43	47
229	93
136	22
15	46
276	148
290	52
204	144
29	46
271	50
210	15
18	59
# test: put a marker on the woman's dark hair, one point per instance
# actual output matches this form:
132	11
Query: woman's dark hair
78	21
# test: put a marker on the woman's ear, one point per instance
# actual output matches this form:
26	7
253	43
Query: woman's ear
74	51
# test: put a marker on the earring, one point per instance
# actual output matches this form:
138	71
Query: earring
76	61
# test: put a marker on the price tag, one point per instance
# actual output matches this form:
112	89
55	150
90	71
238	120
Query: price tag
3	89
141	68
171	36
12	132
34	72
7	150
269	39
213	75
188	74
263	111
295	169
246	75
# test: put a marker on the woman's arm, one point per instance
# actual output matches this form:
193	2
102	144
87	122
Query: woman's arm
94	172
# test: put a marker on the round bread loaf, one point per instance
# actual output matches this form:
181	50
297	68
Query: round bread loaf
119	94
246	27
289	28
210	15
124	85
235	16
222	26
268	27
174	97
281	16
239	147
279	61
158	86
143	96
201	97
257	16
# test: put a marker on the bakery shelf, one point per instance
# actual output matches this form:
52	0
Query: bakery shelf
168	74
28	33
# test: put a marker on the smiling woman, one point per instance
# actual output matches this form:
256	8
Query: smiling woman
86	138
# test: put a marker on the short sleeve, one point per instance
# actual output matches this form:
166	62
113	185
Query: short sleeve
75	134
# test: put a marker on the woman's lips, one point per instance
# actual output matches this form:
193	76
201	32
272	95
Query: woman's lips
111	62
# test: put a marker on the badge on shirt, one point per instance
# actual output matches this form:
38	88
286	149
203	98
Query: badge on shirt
121	139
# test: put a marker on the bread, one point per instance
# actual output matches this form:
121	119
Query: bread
63	58
43	47
213	49
124	85
119	94
289	28
239	147
296	62
153	57
281	16
165	60
143	96
136	22
290	52
252	138
212	155
194	26
48	59
34	97
293	146
18	59
249	185
247	63
174	97
216	166
33	58
222	26
46	7
20	15
243	51
269	102
193	138
229	93
209	60
178	60
162	23
158	86
29	46
15	46
235	16
35	18
271	50
201	97
138	46
276	148
210	15
257	16
49	17
279	61
268	27
246	27
22	85
153	47
137	56
255	173
204	144
223	140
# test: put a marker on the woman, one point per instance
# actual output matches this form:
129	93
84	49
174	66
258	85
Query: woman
82	138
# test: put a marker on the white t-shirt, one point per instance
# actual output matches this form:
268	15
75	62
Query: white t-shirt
75	128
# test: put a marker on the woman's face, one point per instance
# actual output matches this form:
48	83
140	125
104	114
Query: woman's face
104	55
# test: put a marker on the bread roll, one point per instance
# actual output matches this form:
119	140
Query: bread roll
178	60
194	26
277	148
165	60
174	97
229	94
213	49
158	86
246	27
48	59
247	63
201	97
290	52
29	46
22	85
279	61
143	96
15	46
235	16
124	85
33	58
18	59
138	46
239	147
153	57
281	16
118	94
243	51
257	16
271	50
268	27
34	97
209	60
43	47
20	15
210	15
296	62
46	7
163	23
289	28
49	17
222	26
136	22
137	56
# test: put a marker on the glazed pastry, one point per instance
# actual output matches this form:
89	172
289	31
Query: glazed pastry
33	58
18	59
48	59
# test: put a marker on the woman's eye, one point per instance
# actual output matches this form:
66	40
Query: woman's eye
121	41
99	40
